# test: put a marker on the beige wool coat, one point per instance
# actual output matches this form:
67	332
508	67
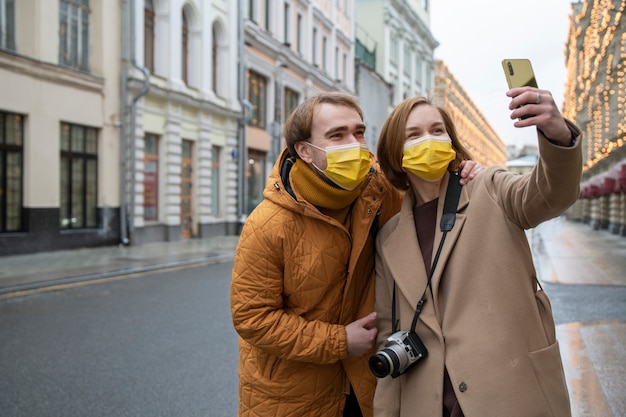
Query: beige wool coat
489	325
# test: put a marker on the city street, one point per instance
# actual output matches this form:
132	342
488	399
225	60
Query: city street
161	342
157	344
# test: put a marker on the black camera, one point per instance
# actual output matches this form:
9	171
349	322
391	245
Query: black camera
402	349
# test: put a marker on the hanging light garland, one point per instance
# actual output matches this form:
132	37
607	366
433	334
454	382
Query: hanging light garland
595	90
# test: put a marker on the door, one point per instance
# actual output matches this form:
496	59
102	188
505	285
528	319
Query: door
186	187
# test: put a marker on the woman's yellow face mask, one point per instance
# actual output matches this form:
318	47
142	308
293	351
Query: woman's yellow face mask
428	156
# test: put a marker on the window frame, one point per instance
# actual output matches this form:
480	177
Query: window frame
5	150
74	55
257	96
71	159
7	25
148	35
151	177
184	70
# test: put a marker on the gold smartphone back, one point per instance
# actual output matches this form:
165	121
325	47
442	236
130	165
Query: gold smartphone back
519	73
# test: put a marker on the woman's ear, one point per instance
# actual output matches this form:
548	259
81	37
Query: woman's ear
303	151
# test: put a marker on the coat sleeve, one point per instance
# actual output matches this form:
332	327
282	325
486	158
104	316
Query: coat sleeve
256	298
546	192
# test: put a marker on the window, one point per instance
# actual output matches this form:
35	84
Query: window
7	24
257	95
151	178
215	179
337	63
407	61
291	101
268	11
256	177
217	60
299	34
185	50
325	53
251	4
314	47
395	50
419	70
148	35
287	28
74	34
11	155
79	176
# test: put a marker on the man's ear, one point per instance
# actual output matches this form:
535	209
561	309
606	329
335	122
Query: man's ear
304	151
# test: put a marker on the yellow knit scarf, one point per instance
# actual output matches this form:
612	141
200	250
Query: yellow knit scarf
332	201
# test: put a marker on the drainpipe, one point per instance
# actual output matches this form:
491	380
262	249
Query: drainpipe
242	149
144	90
123	125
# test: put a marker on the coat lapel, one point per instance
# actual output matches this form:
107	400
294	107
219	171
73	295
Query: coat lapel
404	258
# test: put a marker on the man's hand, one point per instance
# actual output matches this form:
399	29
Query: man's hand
469	170
361	335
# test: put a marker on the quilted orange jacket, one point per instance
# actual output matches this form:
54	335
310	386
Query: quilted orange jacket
299	277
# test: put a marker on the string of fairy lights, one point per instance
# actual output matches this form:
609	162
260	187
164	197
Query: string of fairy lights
595	90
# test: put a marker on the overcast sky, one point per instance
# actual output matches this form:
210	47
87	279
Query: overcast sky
475	36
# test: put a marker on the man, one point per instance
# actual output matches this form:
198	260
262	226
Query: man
302	292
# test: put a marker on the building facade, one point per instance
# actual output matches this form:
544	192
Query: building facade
595	97
180	149
59	124
134	121
397	33
293	49
474	130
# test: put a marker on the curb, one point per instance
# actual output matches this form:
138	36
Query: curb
9	291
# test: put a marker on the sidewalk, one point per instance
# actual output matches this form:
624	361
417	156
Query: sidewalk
33	271
594	359
565	252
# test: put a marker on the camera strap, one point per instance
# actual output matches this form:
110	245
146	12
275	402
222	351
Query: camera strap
453	193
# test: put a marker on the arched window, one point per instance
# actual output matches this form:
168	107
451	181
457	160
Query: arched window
148	35
185	50
214	58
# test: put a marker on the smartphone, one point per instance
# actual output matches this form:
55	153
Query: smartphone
519	73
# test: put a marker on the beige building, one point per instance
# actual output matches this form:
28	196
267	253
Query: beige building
474	130
293	49
59	124
595	97
180	159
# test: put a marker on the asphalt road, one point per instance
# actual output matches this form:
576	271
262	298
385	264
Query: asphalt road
160	344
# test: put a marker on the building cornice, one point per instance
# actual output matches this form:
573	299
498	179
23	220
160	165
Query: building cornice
45	71
182	99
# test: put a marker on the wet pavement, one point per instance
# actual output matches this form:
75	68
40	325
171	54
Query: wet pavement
594	359
565	252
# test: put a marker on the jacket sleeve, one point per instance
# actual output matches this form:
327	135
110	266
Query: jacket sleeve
257	309
546	192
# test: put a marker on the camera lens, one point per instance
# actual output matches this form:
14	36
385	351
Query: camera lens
384	362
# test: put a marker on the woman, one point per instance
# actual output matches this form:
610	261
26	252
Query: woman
488	330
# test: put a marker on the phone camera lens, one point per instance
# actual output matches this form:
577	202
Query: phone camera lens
510	66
